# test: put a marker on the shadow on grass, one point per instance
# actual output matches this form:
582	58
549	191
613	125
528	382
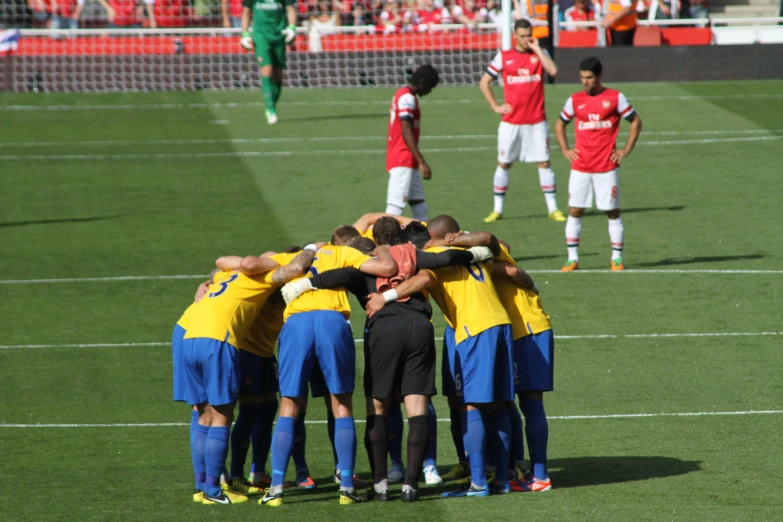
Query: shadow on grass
520	259
592	471
698	259
340	117
594	212
53	221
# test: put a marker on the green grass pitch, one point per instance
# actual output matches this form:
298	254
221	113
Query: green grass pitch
164	188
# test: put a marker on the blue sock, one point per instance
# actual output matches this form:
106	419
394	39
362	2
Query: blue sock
431	456
517	440
240	437
330	431
503	446
345	442
215	453
394	426
198	438
537	431
298	451
474	439
282	443
491	438
262	435
457	434
193	424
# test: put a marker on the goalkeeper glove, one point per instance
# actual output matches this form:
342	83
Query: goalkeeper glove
246	41
480	253
294	289
289	33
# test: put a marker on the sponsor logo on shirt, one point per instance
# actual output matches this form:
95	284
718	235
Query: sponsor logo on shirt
523	76
594	122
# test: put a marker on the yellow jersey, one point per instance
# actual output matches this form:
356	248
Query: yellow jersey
262	336
232	303
368	234
467	298
523	306
184	321
328	257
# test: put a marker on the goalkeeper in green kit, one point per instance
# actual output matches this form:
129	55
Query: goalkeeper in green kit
274	27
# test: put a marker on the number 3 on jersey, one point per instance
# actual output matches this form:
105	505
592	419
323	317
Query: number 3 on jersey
224	286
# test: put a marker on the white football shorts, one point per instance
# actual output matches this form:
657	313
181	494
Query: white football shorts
404	185
527	143
605	186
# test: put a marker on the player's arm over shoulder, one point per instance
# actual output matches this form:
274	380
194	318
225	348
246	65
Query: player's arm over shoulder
293	268
383	266
512	271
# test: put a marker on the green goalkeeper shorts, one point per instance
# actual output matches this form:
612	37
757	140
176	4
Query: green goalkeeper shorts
270	53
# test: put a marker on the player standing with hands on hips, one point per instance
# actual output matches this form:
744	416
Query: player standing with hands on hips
523	132
269	39
595	160
404	162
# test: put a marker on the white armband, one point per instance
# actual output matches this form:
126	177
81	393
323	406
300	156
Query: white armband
390	295
311	247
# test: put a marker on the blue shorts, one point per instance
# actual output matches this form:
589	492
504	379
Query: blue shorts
449	345
211	372
534	362
320	337
257	375
177	366
483	367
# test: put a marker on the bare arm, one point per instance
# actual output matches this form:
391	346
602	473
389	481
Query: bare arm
410	142
467	240
150	8
407	288
383	266
227	263
246	14
562	140
519	276
366	221
296	268
486	89
110	13
252	265
633	136
290	12
224	8
611	18
546	61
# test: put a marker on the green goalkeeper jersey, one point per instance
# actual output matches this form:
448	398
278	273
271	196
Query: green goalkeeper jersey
269	18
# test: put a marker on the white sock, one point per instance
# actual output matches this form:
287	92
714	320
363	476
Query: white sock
381	486
616	233
393	209
500	183
419	210
573	230
546	178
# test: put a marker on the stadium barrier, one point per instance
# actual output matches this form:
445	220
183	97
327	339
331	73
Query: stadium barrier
101	60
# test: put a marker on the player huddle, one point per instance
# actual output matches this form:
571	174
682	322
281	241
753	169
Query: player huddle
498	344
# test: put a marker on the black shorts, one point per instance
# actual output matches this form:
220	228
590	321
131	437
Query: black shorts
622	38
399	354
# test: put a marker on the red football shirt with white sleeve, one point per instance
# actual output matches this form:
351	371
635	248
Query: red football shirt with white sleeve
404	106
597	125
434	17
523	85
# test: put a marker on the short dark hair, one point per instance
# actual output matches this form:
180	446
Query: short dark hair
365	245
387	231
344	234
523	23
416	233
592	64
442	225
425	75
293	249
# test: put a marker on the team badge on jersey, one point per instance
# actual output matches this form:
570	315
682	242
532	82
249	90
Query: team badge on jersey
534	59
606	104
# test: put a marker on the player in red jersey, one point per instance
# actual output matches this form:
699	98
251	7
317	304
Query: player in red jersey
581	11
595	159
429	15
523	132
404	162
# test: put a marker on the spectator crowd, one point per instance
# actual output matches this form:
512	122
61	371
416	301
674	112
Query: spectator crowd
321	16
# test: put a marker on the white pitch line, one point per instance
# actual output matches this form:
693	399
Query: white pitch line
329	152
360	421
317	139
202	276
360	340
340	103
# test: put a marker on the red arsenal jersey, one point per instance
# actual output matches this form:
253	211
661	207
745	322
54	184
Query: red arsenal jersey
434	17
523	86
597	125
404	106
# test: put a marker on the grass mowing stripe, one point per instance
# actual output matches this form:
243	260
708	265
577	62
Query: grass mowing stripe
201	276
332	152
333	103
238	141
360	421
359	340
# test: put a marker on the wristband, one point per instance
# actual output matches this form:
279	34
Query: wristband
245	34
390	295
292	27
311	247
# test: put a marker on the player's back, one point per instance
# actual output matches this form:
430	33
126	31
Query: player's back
328	257
404	105
187	316
467	297
523	306
232	303
263	332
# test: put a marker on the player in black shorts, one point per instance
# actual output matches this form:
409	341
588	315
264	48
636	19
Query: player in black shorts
399	346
